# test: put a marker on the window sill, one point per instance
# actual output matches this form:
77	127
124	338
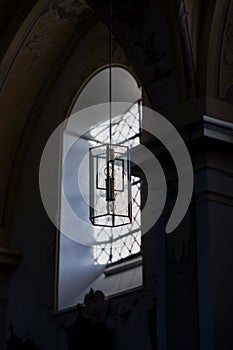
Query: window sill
123	266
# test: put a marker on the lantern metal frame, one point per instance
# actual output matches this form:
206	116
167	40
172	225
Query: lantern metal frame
110	185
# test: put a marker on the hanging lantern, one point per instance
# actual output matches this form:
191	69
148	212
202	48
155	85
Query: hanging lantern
110	182
110	186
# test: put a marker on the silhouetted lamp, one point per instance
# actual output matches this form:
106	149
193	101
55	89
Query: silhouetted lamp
110	186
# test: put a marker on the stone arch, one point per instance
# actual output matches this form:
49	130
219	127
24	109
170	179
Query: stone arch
41	50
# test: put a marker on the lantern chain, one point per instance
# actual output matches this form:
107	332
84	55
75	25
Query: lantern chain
110	76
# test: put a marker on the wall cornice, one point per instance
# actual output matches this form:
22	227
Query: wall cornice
9	258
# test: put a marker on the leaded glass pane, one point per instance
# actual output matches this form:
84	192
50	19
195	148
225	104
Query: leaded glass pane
121	242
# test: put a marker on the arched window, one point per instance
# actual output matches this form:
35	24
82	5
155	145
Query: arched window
83	265
124	241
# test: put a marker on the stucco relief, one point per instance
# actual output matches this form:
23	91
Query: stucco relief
46	39
54	26
228	48
185	25
73	8
26	65
143	34
178	250
226	59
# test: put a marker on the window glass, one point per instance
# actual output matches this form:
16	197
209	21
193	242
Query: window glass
82	266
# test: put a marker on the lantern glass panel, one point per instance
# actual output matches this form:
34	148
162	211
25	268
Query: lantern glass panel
110	196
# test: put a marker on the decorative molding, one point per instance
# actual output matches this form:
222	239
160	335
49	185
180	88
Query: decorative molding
226	57
153	54
218	122
179	246
78	9
186	47
123	309
209	196
16	342
9	257
218	129
142	33
138	311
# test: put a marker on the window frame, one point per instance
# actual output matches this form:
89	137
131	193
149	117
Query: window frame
124	264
